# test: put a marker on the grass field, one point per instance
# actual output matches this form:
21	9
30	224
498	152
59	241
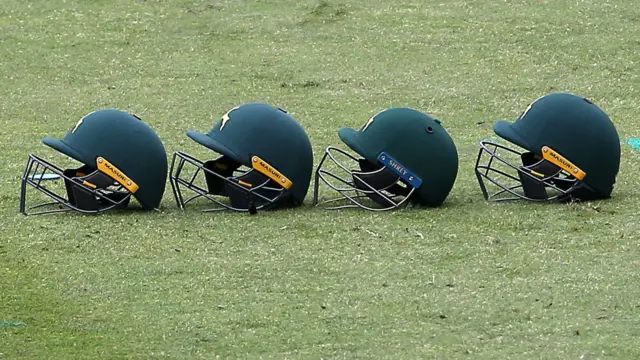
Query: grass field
469	280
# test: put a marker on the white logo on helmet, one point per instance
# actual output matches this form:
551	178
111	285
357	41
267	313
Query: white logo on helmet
371	120
529	107
226	118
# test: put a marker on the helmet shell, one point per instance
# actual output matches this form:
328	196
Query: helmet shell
417	141
575	128
263	130
125	141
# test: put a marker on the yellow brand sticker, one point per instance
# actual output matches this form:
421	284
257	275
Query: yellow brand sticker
270	172
553	157
117	175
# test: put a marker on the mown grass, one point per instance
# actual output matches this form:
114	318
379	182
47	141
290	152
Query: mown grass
468	280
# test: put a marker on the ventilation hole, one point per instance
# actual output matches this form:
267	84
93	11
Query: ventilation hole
429	129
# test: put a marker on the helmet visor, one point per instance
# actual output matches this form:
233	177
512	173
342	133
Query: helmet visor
84	189
225	183
507	174
359	183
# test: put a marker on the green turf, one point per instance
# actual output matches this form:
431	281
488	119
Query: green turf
469	280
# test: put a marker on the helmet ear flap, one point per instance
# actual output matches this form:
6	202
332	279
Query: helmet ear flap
270	194
380	179
366	166
224	167
85	199
535	188
221	181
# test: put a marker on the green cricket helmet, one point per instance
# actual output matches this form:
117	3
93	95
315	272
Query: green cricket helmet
404	156
121	156
572	153
265	162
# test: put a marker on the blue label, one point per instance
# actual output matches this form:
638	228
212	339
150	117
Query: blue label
399	170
